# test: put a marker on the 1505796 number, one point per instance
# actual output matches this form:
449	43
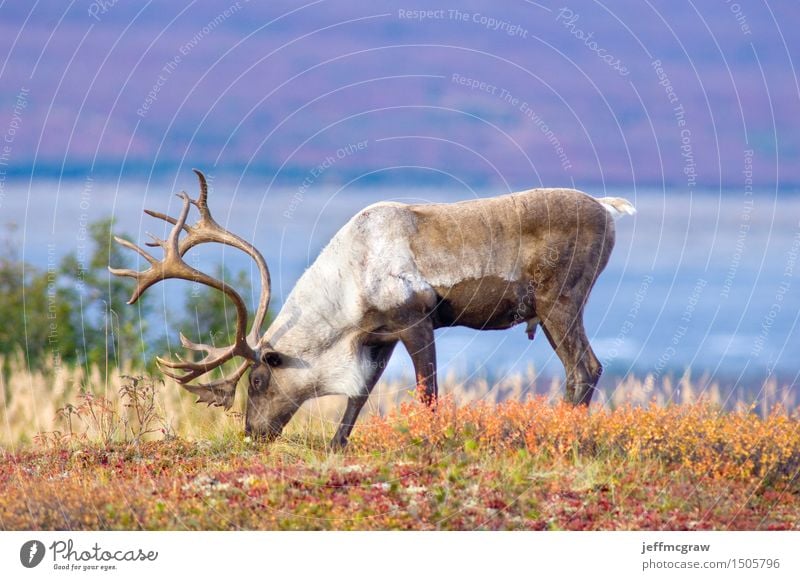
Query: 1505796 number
756	563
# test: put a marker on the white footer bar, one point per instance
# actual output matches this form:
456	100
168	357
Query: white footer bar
384	555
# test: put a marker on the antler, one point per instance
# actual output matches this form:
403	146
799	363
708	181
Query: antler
206	230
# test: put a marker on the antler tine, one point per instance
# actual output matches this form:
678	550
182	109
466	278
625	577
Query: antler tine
166	218
172	266
202	199
172	247
213	353
219	393
130	245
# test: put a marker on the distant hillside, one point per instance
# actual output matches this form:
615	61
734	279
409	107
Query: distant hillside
514	94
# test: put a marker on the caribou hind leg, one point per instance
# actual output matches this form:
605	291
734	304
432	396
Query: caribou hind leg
417	337
591	369
565	332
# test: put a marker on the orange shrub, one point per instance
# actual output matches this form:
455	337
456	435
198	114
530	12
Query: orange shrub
697	437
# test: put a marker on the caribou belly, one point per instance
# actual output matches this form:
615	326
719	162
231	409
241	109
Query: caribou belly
488	303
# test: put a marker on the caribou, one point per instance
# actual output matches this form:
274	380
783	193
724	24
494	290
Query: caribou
393	274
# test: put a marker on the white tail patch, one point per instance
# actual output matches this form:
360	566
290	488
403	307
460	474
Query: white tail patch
617	206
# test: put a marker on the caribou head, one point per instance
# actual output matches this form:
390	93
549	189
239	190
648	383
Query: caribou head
219	392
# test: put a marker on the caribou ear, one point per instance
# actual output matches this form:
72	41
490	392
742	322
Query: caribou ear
272	359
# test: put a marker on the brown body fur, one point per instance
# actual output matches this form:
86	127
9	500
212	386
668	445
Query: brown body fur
555	242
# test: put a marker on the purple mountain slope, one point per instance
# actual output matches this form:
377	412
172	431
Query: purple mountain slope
691	95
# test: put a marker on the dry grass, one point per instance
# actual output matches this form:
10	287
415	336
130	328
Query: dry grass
36	402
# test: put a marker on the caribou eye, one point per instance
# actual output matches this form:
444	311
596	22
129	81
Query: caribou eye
272	359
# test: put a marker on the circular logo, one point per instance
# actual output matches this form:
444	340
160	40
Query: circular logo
31	553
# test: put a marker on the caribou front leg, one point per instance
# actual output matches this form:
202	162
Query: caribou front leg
378	359
418	340
354	406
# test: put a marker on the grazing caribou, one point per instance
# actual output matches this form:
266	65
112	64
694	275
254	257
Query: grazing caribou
394	273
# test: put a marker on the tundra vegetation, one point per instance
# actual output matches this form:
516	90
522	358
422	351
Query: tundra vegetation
133	453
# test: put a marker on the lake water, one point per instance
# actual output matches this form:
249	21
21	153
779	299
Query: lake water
708	282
